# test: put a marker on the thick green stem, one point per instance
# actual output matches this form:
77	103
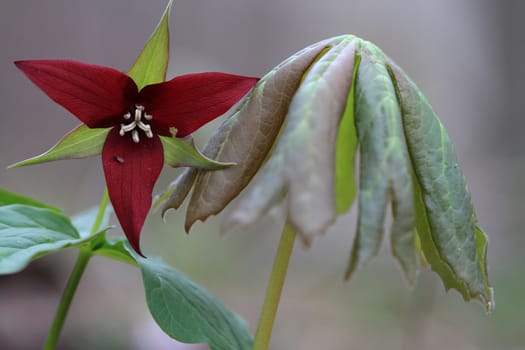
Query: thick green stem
74	279
274	288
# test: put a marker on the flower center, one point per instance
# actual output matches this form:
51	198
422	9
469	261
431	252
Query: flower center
136	114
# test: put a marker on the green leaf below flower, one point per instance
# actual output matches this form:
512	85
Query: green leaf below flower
30	229
187	312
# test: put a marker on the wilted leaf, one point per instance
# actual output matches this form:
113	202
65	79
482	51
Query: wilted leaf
406	160
152	63
80	142
384	165
246	137
446	223
249	133
187	312
302	163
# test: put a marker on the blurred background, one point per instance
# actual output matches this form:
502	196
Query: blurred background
465	55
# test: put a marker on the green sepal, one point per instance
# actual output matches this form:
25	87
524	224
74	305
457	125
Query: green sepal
80	142
152	63
181	152
114	248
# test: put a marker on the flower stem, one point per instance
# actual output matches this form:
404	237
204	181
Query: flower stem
74	279
67	297
274	288
101	211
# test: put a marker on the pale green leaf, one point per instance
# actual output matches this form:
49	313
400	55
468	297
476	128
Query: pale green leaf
80	142
446	223
187	312
345	149
152	63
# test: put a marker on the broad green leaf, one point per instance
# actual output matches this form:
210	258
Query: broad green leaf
80	142
345	149
384	166
7	198
152	63
27	233
187	312
181	152
446	223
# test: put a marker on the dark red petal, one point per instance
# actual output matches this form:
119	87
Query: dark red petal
189	101
131	171
96	95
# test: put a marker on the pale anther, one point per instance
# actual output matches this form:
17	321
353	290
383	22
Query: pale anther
137	122
135	136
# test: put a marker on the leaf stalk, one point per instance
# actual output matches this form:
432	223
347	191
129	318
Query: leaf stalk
274	288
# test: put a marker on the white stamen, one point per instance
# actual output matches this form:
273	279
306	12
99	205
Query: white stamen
136	122
135	136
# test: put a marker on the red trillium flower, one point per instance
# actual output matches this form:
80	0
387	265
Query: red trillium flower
132	155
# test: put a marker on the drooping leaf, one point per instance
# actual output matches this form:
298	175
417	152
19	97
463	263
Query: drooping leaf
406	160
80	142
152	63
7	198
187	312
384	165
27	233
447	226
249	134
245	138
303	161
181	152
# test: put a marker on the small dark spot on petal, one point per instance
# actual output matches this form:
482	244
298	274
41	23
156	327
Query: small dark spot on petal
118	159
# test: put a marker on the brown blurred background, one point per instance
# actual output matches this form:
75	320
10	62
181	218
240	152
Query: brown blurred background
466	56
